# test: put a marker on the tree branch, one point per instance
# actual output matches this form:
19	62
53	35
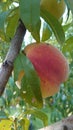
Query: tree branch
7	66
65	124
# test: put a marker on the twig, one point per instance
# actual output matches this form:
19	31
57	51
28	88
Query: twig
65	124
7	66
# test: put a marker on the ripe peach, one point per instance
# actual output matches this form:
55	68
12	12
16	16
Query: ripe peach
50	65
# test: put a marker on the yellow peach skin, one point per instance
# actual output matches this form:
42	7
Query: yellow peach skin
50	64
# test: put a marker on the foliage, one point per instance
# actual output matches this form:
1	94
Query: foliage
18	110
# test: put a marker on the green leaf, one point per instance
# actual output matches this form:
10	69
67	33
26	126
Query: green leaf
2	102
25	124
67	26
55	25
5	4
30	15
68	47
46	32
70	4
12	24
30	11
13	111
30	82
29	92
2	115
39	114
2	35
3	17
36	32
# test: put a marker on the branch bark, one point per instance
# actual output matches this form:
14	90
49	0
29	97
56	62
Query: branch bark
7	66
65	124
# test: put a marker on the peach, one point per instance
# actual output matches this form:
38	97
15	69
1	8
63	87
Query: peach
56	8
50	64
